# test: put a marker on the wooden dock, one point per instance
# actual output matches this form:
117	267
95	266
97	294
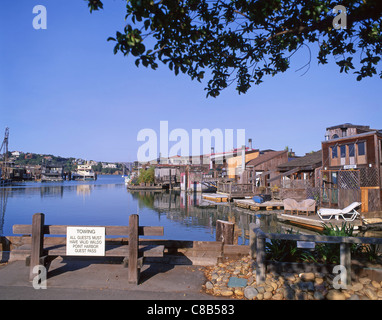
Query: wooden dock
314	221
215	197
252	205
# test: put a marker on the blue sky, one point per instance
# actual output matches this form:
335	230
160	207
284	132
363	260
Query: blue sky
64	92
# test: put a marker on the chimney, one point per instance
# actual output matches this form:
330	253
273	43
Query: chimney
250	144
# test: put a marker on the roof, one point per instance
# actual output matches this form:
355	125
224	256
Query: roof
265	157
233	152
359	135
349	125
313	159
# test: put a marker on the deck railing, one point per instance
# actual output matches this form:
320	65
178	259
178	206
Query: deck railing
235	188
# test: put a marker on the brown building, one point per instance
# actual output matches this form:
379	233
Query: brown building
354	147
300	172
352	160
263	168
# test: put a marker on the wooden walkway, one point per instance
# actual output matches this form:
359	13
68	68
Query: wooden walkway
252	205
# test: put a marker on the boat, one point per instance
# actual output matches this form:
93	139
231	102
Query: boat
127	179
84	172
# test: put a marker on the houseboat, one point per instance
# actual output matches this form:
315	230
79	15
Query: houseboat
51	172
84	172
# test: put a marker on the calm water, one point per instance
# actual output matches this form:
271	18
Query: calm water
108	202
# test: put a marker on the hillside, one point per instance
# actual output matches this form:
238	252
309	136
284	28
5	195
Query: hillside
69	164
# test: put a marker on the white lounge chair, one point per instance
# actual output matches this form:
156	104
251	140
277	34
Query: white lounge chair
327	213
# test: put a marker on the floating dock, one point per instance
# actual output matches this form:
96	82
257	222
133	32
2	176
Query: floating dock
252	205
315	222
215	197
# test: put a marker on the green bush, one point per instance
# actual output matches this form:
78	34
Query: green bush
147	176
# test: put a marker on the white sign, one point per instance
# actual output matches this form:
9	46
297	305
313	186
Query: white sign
350	166
85	241
306	245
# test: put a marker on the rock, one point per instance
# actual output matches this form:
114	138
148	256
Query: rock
364	280
209	285
237	279
239	292
335	295
321	288
278	296
306	286
308	276
260	289
310	296
289	277
250	293
372	295
250	280
235	282
318	295
214	276
267	295
226	293
289	293
376	284
301	296
216	291
268	288
357	286
274	285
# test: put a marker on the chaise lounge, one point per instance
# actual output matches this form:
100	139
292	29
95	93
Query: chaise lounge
349	211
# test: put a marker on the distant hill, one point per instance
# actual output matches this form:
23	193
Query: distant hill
69	164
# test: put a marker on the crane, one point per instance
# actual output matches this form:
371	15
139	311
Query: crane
4	149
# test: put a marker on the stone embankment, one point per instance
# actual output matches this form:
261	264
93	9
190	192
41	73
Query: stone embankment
237	279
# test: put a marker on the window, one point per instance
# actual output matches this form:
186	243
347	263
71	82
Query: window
335	136
343	151
334	152
351	150
361	148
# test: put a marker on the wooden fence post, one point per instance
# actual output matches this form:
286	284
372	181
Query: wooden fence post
37	242
252	240
225	231
260	259
133	269
345	260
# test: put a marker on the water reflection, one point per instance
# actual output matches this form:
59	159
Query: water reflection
3	206
191	210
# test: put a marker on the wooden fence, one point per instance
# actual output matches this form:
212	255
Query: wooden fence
235	189
257	239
